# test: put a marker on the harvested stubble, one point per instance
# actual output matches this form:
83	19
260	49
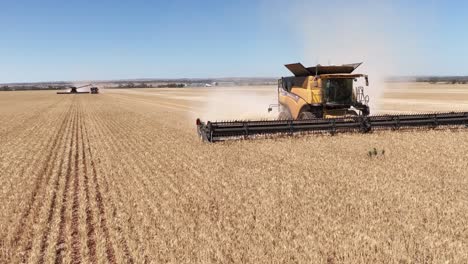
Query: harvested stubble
121	177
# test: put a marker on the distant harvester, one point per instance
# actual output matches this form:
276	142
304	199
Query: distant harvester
74	90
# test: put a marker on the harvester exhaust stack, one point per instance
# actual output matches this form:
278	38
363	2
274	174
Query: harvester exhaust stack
218	131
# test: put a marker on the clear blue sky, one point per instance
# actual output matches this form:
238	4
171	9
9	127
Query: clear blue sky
75	40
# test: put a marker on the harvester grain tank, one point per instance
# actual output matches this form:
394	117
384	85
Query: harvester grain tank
324	99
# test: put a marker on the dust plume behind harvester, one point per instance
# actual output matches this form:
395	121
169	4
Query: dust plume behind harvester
324	99
74	90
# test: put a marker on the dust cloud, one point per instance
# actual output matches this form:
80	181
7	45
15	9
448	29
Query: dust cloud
388	39
238	103
384	37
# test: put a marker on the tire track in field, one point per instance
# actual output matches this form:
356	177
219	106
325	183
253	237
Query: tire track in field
100	201
53	204
177	157
134	144
90	230
131	145
128	144
60	246
43	173
10	186
191	173
27	161
148	184
37	211
110	252
114	137
187	160
75	220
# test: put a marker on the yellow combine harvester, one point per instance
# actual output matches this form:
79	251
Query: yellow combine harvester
324	99
321	92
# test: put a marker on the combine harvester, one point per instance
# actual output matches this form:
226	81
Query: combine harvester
324	99
74	90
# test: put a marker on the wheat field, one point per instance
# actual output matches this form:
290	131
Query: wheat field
121	177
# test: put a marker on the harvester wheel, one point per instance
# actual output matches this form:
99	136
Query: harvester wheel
306	115
284	116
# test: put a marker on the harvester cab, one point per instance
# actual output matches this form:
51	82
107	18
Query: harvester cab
322	92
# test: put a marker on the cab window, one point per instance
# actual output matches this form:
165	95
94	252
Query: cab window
338	91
